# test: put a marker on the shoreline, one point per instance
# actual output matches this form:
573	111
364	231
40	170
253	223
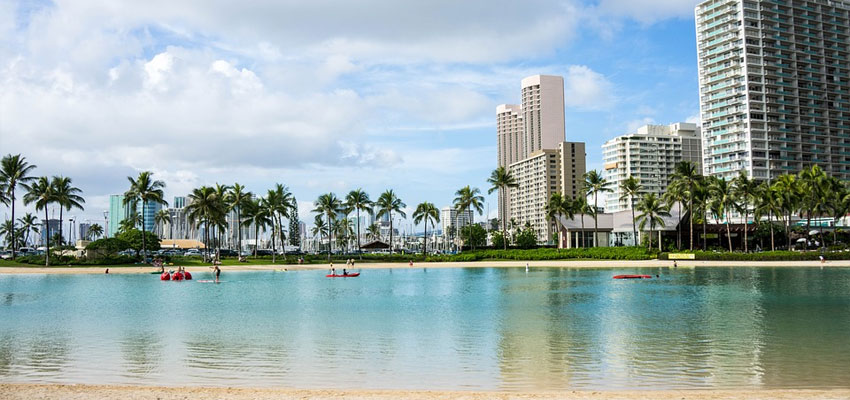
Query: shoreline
471	264
14	391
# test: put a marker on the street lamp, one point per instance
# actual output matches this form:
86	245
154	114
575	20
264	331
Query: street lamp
105	223
71	230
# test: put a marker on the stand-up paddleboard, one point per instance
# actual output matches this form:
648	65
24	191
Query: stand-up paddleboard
207	281
350	275
632	276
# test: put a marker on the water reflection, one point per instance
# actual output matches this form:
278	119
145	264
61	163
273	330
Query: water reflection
502	328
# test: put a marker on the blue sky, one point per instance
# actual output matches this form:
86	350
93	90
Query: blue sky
324	95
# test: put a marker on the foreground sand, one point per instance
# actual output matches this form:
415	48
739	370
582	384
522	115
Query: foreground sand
91	392
472	264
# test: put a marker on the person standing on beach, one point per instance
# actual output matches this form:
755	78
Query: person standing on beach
217	273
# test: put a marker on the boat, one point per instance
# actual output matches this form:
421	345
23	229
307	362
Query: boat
349	275
187	276
165	276
632	276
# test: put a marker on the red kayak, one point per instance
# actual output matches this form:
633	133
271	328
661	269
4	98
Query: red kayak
165	276
351	275
632	276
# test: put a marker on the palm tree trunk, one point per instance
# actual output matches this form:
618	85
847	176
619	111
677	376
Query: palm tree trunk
144	248
634	225
359	250
651	229
504	228
746	218
14	242
425	247
788	231
728	233
331	236
256	238
595	218
282	237
391	232
239	228
60	225
679	229
691	217
47	235
659	240
704	233
770	223
274	249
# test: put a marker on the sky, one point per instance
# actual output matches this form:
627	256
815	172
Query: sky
322	95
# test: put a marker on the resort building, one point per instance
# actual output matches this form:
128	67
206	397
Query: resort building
650	155
774	87
531	146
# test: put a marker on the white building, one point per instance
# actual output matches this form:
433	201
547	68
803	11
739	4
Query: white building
450	217
650	155
774	91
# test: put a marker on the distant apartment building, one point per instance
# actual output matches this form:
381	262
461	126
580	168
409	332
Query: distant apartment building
83	230
53	225
452	218
118	211
774	86
530	142
650	155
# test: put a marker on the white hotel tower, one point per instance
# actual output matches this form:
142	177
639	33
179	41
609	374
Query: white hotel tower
774	91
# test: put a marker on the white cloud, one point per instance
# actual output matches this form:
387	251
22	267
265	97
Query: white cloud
633	125
586	89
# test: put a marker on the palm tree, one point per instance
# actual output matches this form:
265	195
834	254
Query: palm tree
6	229
501	180
204	208
814	183
255	214
788	188
144	189
558	206
14	169
594	183
40	192
428	212
652	209
630	189
676	193
582	208
236	200
95	231
344	230
745	190
687	173
373	232
160	219
838	203
701	199
67	197
467	199
320	228
131	222
280	203
29	223
329	205
388	203
725	198
766	202
358	200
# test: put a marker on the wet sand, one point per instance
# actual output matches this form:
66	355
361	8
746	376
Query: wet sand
472	264
92	392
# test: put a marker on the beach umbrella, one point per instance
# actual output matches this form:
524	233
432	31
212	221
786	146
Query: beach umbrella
801	240
813	232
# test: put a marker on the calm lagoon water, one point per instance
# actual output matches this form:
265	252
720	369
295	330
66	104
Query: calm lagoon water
453	329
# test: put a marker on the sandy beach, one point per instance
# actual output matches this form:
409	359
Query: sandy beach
91	392
473	264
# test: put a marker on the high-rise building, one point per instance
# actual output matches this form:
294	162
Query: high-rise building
451	218
774	91
84	230
531	146
53	225
650	155
179	202
118	211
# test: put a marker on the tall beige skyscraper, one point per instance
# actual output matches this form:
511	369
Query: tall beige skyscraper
531	146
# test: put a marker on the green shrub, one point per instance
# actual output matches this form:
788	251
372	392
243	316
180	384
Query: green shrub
778	255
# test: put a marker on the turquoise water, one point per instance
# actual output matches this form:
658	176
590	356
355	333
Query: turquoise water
483	329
